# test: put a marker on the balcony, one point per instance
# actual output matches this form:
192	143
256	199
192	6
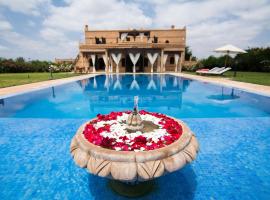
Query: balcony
131	42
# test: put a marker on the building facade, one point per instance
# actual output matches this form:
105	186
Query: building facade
144	50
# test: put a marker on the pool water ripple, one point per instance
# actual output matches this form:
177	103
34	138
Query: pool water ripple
37	165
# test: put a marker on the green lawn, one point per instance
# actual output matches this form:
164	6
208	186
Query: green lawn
11	79
261	78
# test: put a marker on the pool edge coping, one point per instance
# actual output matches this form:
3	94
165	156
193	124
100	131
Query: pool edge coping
31	87
246	87
243	86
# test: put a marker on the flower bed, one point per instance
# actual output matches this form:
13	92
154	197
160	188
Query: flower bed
109	131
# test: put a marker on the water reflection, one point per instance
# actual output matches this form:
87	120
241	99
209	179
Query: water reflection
175	82
116	92
181	184
168	94
2	102
223	97
134	84
83	83
107	82
95	83
117	85
53	92
151	85
163	83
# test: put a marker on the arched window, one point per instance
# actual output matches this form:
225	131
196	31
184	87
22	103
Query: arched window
167	41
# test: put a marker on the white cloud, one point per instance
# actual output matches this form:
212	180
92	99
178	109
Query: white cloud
29	7
98	14
5	25
21	45
31	23
3	48
214	23
210	23
52	35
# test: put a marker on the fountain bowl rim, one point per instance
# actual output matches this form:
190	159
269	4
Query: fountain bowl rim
133	156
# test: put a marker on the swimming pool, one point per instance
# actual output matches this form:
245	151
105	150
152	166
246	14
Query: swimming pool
232	126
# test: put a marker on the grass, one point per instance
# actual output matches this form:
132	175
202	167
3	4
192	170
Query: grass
12	79
261	78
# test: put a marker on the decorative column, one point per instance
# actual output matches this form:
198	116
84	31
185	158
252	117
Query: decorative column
93	57
106	61
110	63
87	63
83	62
158	64
176	61
152	58
116	59
134	59
165	56
182	60
161	61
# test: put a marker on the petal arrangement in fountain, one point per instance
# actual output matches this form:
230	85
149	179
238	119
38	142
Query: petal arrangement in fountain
110	131
128	157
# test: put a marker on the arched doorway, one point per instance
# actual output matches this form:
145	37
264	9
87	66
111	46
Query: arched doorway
100	65
142	62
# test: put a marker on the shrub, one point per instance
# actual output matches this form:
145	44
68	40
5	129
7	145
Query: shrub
19	65
192	68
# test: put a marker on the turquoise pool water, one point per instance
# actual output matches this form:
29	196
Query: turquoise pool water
175	96
232	126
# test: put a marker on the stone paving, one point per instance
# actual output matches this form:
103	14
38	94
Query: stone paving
250	87
13	90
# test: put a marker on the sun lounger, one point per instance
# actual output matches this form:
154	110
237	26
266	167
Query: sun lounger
220	71
215	69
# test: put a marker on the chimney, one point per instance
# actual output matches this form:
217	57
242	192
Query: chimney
172	26
86	27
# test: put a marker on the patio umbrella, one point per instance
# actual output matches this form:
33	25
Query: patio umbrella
229	49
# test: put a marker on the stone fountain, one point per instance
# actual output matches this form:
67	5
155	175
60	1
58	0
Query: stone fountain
132	169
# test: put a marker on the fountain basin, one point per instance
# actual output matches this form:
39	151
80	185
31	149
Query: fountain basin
131	166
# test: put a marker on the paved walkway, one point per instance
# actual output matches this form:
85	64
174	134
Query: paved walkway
260	89
13	90
255	88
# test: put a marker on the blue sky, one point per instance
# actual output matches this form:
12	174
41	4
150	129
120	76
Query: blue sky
45	29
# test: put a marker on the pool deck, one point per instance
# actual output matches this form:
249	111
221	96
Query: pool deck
19	89
255	88
249	87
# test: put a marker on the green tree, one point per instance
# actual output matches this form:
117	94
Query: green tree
256	59
188	53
